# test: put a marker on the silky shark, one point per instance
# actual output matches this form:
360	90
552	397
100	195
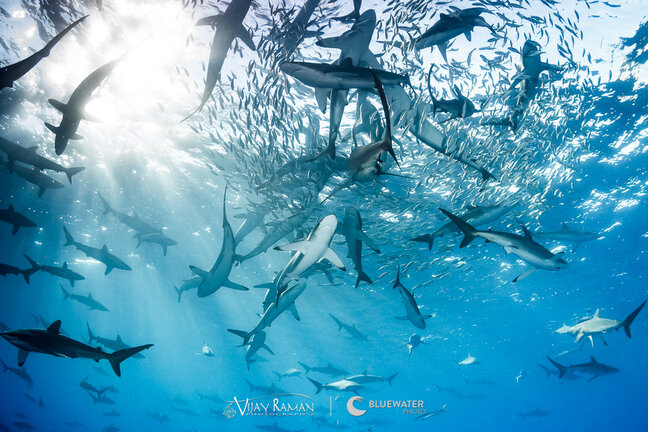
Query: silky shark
461	107
6	269
411	308
19	372
51	342
218	276
431	414
286	300
74	110
329	369
592	367
287	374
85	300
157	238
597	326
523	246
450	26
342	76
35	177
364	378
29	156
188	284
16	219
567	234
314	248
62	272
351	329
102	255
469	360
13	72
132	221
295	32
229	25
256	343
344	385
413	341
351	229
114	344
477	216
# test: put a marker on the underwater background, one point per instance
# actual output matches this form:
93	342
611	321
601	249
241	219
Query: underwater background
578	157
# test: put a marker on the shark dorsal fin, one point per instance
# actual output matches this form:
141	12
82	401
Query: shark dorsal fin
597	313
10	208
64	264
119	338
104	248
346	62
527	233
593	359
565	226
55	327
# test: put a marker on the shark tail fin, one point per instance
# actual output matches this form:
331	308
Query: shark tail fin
391	378
630	318
34	266
66	293
305	366
245	335
69	172
69	240
107	208
561	369
362	276
91	336
469	231
117	357
27	273
179	293
425	238
319	386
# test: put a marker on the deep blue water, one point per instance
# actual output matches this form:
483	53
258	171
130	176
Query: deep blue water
578	157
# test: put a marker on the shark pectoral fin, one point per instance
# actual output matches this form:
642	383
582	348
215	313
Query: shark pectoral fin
321	95
108	269
467	34
331	256
267	348
369	242
591	340
300	246
245	36
579	336
22	357
294	312
510	249
199	272
442	49
60	106
229	284
525	274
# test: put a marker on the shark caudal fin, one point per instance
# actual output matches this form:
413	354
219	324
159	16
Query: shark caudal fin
69	172
562	369
387	140
117	357
630	318
425	238
362	276
66	293
319	386
391	378
337	321
69	240
469	231
179	292
91	336
107	208
245	335
34	268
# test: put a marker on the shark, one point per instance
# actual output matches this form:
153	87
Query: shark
74	110
62	272
287	374
19	372
461	107
569	376
218	276
431	414
269	390
342	76
28	155
597	326
567	234
13	72
51	342
344	385
229	26
364	378
592	367
412	312
351	229
521	245
351	329
413	341
132	221
315	248
188	284
116	344
475	215
285	301
450	26
294	32
157	238
535	413
85	300
102	255
469	360
6	269
329	369
34	176
16	219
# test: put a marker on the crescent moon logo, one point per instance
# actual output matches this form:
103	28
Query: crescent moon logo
352	409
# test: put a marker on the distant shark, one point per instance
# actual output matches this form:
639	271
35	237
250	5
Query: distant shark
85	300
351	229
412	312
592	367
13	72
51	342
16	219
102	255
62	272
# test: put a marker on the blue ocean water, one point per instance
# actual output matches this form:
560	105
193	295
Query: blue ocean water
567	149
